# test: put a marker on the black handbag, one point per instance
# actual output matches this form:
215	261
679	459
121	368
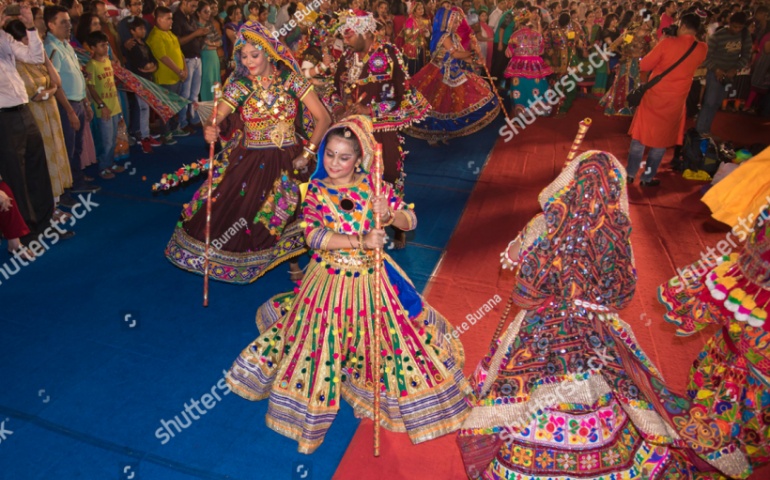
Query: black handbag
634	97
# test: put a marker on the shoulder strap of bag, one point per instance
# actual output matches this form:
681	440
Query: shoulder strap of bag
657	79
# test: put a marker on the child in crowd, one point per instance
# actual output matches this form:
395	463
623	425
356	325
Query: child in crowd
142	62
254	11
172	70
104	96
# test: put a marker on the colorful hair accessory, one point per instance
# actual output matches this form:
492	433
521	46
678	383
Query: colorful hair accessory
255	34
360	24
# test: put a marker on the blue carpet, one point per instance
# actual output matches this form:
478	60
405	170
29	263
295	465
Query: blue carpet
104	341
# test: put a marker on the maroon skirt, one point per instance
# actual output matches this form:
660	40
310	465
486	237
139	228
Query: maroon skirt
254	217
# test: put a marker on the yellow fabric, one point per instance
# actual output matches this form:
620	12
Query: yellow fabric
102	78
46	115
696	175
165	44
745	191
311	17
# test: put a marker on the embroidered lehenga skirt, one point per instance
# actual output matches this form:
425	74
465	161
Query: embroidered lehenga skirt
461	102
567	393
315	349
254	224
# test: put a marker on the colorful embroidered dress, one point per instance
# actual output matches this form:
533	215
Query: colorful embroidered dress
627	75
527	70
563	46
256	190
315	345
729	382
416	34
380	78
566	392
461	102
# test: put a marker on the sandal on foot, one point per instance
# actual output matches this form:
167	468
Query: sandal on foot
60	216
24	253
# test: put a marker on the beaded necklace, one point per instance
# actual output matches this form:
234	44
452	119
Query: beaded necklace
272	103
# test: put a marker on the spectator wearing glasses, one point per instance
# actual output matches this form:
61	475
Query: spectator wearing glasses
74	112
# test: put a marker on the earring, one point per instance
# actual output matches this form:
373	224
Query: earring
358	168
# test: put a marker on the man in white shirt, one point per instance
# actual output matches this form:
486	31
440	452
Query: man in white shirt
22	155
497	13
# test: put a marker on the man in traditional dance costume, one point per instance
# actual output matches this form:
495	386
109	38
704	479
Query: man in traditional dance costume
372	80
315	346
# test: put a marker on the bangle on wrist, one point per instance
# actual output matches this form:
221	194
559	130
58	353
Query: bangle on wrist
350	241
312	147
391	218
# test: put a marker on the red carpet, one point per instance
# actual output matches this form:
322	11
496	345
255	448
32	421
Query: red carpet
670	229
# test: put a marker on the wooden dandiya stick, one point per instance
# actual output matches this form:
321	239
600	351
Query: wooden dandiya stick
582	129
377	316
581	135
209	201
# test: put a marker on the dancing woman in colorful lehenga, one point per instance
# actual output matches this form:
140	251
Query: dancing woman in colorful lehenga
527	69
730	379
627	75
566	391
461	101
315	344
254	223
416	33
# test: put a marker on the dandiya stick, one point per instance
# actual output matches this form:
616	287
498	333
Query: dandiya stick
377	317
581	135
582	130
209	201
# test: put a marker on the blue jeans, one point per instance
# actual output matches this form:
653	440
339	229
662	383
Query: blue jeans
190	90
635	155
109	132
144	118
712	100
174	121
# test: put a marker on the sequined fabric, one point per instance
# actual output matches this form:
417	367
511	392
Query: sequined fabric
567	392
